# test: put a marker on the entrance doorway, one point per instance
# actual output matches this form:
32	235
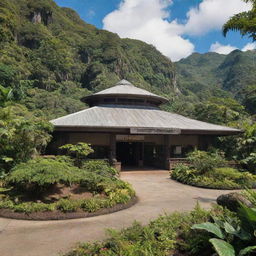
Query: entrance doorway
130	153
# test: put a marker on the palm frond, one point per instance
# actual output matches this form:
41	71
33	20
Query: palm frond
244	22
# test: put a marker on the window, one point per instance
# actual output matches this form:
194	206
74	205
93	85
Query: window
109	100
130	101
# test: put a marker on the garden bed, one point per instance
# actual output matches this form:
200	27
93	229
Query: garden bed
210	170
52	189
219	178
59	215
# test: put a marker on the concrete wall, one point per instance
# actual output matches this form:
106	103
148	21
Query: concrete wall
184	140
156	139
97	139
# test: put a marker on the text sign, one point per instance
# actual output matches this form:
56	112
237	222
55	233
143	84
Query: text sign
154	131
130	138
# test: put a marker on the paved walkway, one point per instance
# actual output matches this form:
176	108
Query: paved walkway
157	195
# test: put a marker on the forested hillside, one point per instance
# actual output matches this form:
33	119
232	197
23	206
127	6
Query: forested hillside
52	58
233	72
220	79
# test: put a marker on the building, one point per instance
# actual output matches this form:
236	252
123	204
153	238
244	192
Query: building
125	124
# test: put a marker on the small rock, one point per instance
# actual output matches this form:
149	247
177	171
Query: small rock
232	201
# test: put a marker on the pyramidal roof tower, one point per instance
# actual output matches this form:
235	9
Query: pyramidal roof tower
124	90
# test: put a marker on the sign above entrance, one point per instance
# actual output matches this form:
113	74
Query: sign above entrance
130	138
154	131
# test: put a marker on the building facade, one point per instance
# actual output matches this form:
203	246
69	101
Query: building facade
125	125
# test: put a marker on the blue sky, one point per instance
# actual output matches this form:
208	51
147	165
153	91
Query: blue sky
176	27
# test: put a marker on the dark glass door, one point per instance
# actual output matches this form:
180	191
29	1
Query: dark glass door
129	153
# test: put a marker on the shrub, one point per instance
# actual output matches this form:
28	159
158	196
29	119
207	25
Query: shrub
100	167
92	205
26	207
30	207
250	163
22	136
204	161
183	173
66	205
116	192
36	176
79	152
233	236
251	196
162	236
219	178
65	159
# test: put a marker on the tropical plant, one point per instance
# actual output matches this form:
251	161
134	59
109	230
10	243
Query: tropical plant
169	234
79	152
244	22
219	178
246	144
22	135
100	167
204	161
250	162
38	175
233	236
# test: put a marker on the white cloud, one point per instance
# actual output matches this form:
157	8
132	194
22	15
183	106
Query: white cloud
146	20
222	49
212	14
149	21
249	47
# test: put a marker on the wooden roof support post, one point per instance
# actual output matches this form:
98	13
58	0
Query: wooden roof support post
112	152
167	145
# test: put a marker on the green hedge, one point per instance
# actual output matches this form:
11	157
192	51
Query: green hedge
218	178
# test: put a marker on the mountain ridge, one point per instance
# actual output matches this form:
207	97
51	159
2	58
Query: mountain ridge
52	58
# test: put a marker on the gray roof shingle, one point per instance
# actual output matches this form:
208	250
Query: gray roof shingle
118	116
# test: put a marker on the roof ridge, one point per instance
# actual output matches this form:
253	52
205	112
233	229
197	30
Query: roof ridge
125	82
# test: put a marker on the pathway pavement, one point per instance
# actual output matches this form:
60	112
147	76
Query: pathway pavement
157	195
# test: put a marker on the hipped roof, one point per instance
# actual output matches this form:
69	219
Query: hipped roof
118	116
127	89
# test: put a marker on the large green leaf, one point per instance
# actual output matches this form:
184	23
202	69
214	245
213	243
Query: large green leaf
248	217
210	227
222	248
247	250
230	229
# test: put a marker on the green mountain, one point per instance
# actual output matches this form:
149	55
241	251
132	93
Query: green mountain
52	58
212	73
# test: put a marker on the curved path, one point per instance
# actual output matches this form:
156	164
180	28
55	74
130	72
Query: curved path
157	195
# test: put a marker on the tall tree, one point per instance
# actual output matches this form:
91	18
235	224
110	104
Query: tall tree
245	22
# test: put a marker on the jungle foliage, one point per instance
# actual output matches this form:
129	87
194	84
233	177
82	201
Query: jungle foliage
22	135
210	170
51	58
236	235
